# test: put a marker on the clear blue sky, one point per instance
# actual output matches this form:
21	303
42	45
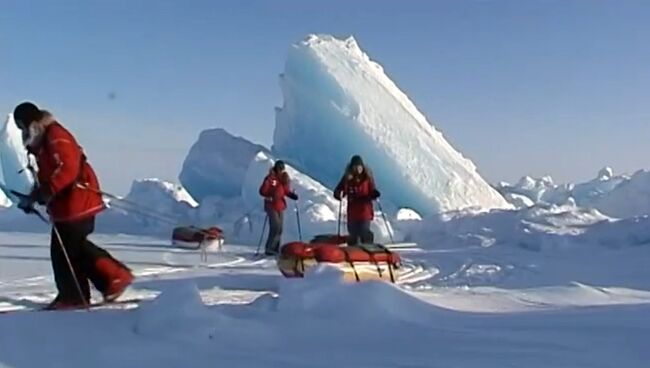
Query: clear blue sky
520	87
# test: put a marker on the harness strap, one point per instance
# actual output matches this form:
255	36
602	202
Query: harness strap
299	267
389	261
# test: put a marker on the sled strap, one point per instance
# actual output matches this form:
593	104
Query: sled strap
347	259
299	267
389	262
371	255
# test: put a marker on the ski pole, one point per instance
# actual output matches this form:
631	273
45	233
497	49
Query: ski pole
259	244
338	230
59	239
65	254
38	214
383	215
298	221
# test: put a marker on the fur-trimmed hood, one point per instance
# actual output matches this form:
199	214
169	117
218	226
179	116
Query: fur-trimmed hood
33	136
350	174
283	177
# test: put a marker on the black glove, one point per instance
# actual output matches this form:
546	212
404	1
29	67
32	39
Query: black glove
375	194
42	195
293	196
26	205
26	202
337	196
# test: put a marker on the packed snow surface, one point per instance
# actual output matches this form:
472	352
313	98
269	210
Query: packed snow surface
460	307
216	164
337	103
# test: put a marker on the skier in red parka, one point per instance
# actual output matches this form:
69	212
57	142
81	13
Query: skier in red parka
358	185
274	188
68	187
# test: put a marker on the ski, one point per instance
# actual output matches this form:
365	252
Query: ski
262	257
94	305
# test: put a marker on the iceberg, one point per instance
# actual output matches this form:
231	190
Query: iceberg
14	161
337	103
152	206
216	164
167	196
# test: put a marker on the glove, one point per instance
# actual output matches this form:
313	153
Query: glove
42	195
375	194
293	196
337	196
26	202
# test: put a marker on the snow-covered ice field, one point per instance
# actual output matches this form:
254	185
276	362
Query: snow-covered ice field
458	307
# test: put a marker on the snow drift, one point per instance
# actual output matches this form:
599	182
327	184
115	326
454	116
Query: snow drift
178	312
216	164
337	102
324	293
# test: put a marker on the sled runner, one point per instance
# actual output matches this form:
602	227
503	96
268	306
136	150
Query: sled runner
358	263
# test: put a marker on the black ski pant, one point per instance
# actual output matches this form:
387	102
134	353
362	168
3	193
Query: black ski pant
275	230
359	233
82	254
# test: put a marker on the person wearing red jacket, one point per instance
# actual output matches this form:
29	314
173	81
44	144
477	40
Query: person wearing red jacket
275	187
68	187
358	185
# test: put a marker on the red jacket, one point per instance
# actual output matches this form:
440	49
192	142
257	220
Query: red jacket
274	188
360	191
62	175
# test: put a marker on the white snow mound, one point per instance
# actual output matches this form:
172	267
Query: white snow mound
405	214
324	293
178	312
